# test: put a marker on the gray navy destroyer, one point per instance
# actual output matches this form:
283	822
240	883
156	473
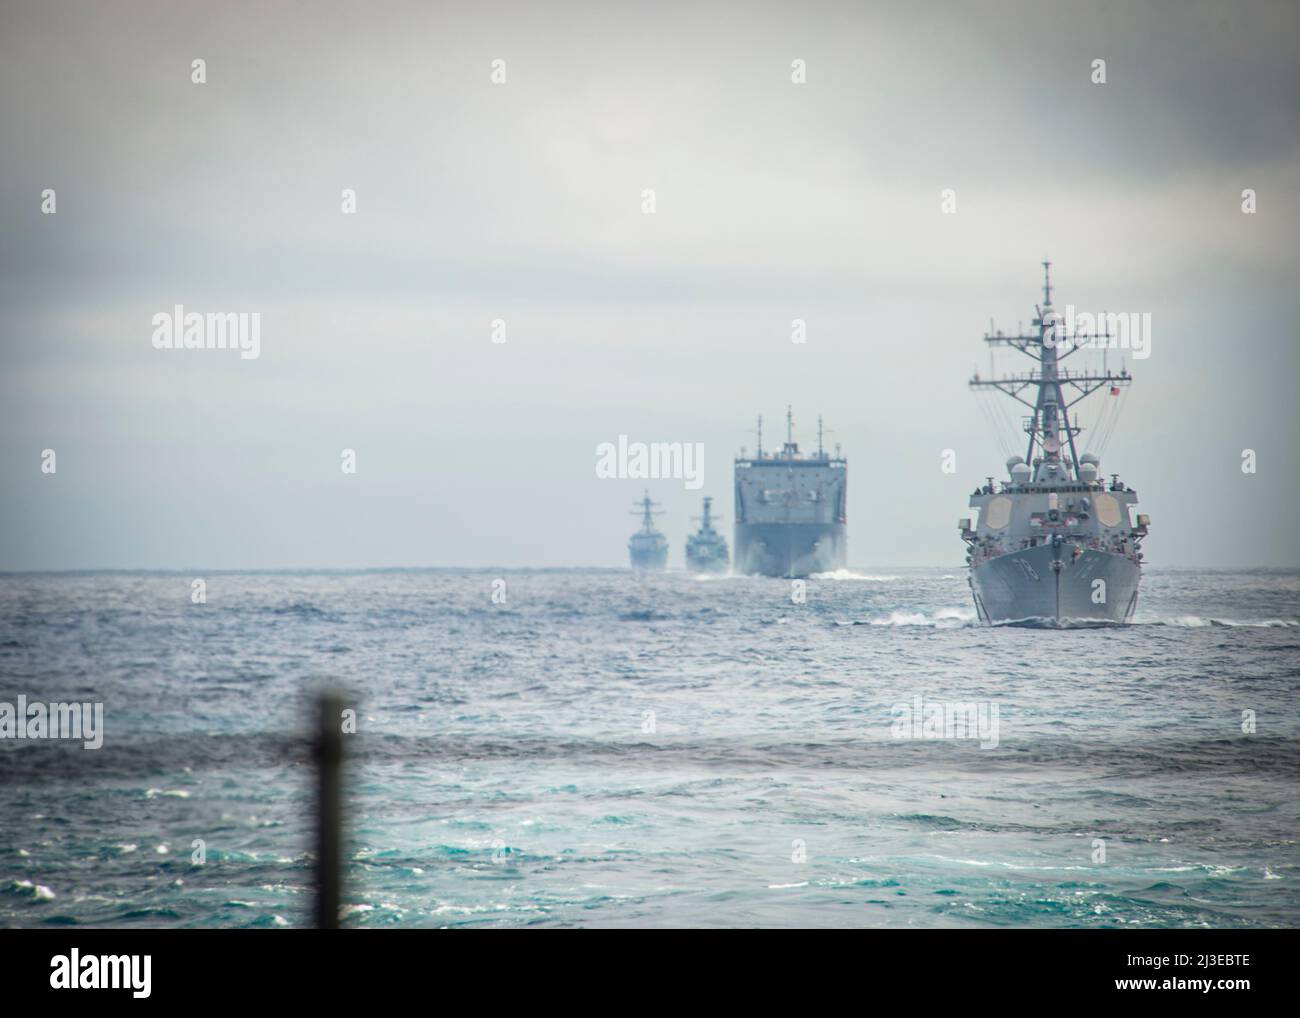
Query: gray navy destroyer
647	548
706	549
791	509
1054	544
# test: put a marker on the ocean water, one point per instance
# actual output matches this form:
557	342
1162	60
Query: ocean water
674	751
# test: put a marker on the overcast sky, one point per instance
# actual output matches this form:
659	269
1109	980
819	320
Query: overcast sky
522	201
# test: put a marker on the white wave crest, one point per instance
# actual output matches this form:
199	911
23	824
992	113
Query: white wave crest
37	891
943	618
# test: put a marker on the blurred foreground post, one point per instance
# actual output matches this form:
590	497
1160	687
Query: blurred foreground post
329	811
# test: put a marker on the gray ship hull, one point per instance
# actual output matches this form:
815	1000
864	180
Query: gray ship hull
1048	585
790	549
708	564
649	559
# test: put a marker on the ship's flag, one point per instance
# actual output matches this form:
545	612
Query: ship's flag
1114	390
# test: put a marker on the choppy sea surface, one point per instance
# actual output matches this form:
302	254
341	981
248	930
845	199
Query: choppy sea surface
601	750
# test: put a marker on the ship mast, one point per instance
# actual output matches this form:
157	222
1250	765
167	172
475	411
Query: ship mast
790	448
647	511
1050	410
706	521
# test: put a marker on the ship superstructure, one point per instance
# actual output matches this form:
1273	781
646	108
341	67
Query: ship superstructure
791	509
706	549
1054	542
647	548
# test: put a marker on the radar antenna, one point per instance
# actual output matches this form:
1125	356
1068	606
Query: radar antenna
706	521
1049	421
647	511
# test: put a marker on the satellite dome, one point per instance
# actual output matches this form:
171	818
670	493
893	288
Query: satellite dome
1013	461
1020	472
1087	472
1092	458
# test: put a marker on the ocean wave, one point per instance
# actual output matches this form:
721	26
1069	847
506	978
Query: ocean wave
37	892
1200	622
298	610
848	574
522	725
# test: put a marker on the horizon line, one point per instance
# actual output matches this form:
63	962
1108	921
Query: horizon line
189	571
